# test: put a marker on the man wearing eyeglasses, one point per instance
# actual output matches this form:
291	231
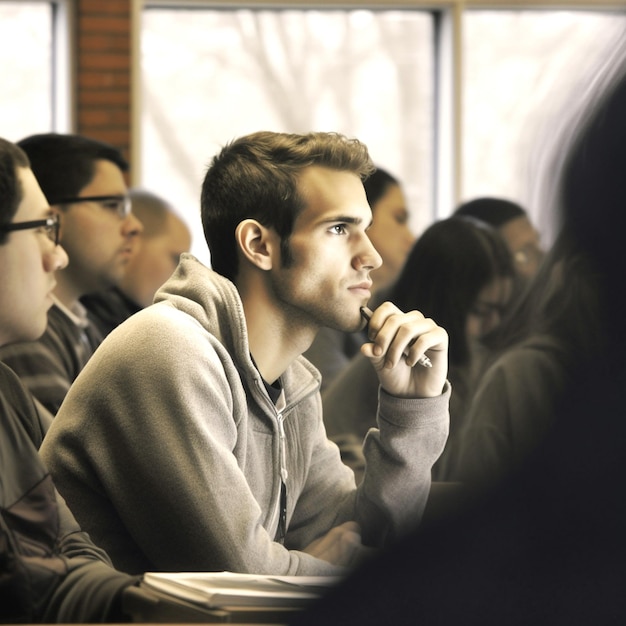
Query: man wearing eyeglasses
513	222
83	180
50	570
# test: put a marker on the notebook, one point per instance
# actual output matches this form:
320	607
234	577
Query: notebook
223	597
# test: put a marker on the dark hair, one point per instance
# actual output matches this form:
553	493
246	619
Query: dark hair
377	184
11	192
64	164
592	193
256	177
576	296
448	266
494	211
592	202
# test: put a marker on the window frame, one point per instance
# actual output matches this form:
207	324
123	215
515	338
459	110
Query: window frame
448	105
63	78
62	107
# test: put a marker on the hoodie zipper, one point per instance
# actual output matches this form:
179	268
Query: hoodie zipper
280	506
282	511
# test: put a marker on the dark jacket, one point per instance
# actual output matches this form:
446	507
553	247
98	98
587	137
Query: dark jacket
49	569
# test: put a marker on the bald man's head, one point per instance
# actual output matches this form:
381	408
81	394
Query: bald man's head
165	237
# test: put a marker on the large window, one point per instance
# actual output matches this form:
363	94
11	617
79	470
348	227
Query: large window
26	60
212	75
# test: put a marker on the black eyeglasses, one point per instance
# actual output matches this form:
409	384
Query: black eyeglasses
50	226
120	204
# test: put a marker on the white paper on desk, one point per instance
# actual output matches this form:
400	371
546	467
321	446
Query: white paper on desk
219	589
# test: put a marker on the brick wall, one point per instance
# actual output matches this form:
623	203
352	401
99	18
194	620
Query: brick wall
103	71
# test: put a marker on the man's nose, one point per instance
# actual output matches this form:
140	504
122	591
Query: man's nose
367	257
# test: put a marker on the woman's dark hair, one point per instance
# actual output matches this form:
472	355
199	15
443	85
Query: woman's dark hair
448	266
11	192
593	206
576	297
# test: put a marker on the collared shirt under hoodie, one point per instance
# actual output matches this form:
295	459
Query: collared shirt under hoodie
169	449
50	364
108	309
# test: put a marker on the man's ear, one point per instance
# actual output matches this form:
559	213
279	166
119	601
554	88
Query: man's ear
256	243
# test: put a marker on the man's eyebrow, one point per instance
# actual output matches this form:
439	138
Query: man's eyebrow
345	219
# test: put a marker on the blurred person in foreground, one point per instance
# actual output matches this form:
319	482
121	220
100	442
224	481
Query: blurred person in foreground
50	571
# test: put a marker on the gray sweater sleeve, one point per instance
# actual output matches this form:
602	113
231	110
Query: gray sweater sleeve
399	457
393	495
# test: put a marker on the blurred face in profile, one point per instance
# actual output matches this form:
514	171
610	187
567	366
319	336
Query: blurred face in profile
390	234
523	240
486	313
155	260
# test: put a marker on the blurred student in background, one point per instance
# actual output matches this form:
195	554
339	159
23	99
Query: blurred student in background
391	236
164	238
49	570
515	226
83	180
459	271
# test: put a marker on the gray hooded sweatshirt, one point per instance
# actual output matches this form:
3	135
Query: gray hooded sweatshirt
171	454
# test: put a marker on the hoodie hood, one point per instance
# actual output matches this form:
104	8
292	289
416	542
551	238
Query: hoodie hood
210	299
214	302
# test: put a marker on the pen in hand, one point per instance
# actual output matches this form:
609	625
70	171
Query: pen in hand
424	361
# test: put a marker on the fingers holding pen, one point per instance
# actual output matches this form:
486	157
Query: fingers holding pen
400	341
396	335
